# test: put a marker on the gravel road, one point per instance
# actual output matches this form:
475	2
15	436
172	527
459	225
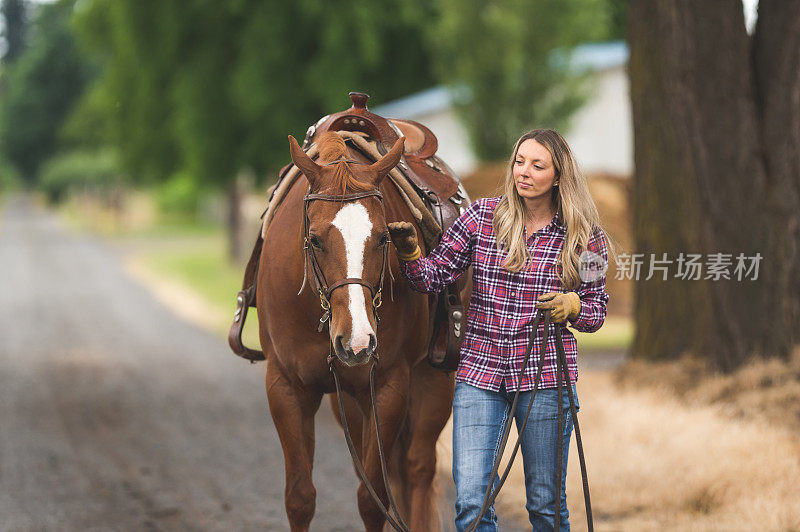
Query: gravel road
115	415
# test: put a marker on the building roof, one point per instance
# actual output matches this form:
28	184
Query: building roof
593	57
425	102
599	55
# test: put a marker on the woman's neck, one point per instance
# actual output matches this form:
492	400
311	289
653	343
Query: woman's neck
538	211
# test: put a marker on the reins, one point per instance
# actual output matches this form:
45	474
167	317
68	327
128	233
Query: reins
561	365
395	521
324	290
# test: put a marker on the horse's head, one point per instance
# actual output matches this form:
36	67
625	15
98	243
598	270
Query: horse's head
346	240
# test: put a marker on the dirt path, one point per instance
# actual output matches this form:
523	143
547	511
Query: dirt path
117	415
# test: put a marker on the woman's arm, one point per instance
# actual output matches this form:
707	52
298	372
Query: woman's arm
594	298
449	259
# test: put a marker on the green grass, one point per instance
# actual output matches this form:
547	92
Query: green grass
199	262
616	333
206	270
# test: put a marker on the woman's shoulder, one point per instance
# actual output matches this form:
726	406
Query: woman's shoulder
598	241
598	236
480	212
485	205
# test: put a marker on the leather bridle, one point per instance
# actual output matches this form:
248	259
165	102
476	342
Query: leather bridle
322	287
324	290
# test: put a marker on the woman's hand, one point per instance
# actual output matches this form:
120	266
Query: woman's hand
562	306
404	238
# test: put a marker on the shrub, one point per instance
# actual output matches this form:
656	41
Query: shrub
79	170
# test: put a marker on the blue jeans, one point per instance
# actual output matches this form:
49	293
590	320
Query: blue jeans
479	418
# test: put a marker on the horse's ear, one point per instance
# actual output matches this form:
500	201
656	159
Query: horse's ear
384	165
301	160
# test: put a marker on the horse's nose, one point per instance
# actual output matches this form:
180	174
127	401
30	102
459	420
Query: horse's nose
350	357
343	354
364	354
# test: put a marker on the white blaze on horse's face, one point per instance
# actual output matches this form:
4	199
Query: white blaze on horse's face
354	224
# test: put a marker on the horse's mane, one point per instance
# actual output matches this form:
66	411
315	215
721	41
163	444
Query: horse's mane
331	147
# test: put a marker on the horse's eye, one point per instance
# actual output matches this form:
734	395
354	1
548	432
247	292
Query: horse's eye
315	242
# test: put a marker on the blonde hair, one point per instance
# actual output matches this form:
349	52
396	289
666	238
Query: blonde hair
571	199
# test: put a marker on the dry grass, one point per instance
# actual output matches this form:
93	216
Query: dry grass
709	459
135	212
761	390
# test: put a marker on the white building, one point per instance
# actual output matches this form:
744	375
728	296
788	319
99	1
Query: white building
434	109
600	133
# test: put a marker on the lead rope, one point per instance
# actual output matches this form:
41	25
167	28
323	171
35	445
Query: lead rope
559	442
584	476
396	523
491	494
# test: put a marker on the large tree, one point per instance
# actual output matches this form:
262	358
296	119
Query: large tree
716	132
40	90
212	88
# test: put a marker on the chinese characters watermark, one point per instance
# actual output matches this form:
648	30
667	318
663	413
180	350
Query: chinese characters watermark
688	266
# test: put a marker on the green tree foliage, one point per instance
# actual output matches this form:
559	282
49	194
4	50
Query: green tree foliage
96	170
213	87
512	55
618	20
131	104
41	88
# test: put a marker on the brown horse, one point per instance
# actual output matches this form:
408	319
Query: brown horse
348	239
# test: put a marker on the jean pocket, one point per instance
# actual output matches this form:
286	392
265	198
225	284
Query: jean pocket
574	397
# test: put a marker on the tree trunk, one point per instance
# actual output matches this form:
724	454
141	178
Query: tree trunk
234	220
700	178
777	67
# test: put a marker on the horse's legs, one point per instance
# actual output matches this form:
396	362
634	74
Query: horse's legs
391	397
293	414
431	400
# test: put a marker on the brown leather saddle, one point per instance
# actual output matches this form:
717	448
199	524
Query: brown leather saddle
433	182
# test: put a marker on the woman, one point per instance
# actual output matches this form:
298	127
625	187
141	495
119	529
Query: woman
525	249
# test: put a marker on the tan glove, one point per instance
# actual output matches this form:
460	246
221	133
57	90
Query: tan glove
404	238
562	306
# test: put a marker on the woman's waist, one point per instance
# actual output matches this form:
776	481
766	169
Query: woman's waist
510	339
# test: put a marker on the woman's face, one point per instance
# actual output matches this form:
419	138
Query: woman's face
534	173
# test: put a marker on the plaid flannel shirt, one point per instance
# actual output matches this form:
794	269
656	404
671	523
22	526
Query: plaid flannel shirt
501	309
